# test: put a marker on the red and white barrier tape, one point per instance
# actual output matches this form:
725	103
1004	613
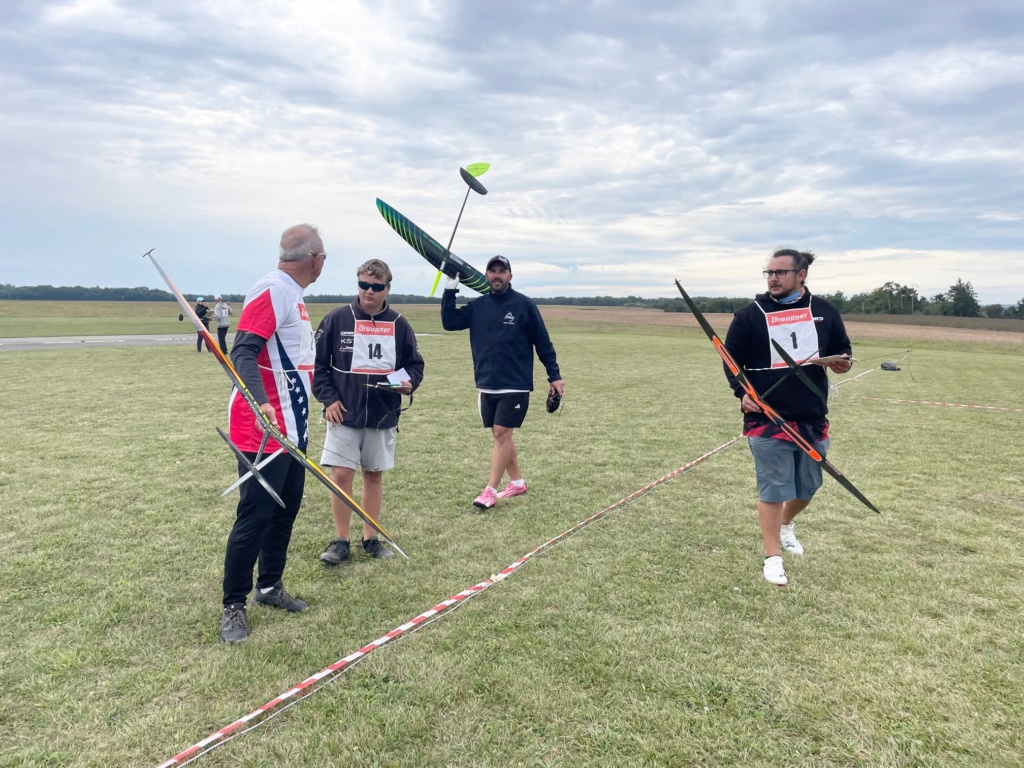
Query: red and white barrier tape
327	674
951	405
851	380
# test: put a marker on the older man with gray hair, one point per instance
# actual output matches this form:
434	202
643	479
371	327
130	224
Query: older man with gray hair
273	353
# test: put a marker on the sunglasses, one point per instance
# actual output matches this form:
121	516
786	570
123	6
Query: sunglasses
375	287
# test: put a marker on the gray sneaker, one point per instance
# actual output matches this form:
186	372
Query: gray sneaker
278	598
374	548
336	552
233	628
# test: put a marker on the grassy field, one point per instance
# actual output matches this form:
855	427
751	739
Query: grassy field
100	318
646	639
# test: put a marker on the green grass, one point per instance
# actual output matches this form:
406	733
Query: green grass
646	639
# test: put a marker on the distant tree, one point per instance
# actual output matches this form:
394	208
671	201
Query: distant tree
939	305
891	291
992	310
710	305
1017	311
963	300
80	293
837	299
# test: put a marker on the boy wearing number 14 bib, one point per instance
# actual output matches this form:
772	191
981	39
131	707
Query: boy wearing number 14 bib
366	359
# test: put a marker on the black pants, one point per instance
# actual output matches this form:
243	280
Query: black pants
199	337
262	528
222	338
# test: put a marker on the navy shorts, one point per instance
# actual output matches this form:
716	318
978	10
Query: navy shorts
504	410
785	472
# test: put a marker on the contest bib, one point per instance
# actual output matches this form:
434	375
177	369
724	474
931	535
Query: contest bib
373	347
307	345
793	330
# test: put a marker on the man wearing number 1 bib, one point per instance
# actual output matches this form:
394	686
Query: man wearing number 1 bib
366	359
807	327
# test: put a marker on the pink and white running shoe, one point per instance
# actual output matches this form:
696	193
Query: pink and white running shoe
512	490
487	498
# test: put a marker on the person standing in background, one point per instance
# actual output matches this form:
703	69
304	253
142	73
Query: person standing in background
223	313
203	313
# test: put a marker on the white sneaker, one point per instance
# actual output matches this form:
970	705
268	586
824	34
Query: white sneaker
787	536
773	571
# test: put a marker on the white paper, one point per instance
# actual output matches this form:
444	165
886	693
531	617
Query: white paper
398	377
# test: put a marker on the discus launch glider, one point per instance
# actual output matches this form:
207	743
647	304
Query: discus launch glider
431	250
768	411
270	431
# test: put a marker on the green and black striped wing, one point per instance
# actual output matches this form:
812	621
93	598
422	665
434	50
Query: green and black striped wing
433	251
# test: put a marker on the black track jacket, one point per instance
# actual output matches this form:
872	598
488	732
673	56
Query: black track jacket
504	329
366	407
748	342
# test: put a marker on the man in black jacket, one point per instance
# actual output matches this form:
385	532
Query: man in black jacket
366	359
504	329
203	313
807	327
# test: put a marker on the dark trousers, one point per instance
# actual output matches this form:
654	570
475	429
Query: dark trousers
199	337
262	528
222	338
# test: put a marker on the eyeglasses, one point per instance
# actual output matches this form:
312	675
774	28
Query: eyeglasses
375	287
776	272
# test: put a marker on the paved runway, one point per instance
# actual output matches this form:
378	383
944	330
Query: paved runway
73	342
33	343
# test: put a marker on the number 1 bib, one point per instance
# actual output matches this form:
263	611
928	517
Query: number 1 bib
794	331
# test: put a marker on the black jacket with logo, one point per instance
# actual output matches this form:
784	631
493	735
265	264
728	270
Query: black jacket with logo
748	342
365	407
504	329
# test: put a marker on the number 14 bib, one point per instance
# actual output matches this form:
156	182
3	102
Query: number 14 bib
793	330
373	347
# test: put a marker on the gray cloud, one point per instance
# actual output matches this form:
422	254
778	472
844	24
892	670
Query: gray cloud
629	144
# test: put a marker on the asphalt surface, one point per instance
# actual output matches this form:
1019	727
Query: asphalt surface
33	343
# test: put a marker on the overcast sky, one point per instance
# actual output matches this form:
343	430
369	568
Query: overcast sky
631	143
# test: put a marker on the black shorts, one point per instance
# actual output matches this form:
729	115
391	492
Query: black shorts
507	410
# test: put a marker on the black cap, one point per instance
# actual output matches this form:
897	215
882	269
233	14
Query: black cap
500	260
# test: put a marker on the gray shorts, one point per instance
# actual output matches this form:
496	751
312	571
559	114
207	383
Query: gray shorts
371	449
785	472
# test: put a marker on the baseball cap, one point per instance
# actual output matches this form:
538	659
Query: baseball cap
200	299
500	260
217	297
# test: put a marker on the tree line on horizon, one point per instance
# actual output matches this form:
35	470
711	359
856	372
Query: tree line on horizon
960	300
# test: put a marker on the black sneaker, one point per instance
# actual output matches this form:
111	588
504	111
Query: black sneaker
336	552
374	548
278	598
233	628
